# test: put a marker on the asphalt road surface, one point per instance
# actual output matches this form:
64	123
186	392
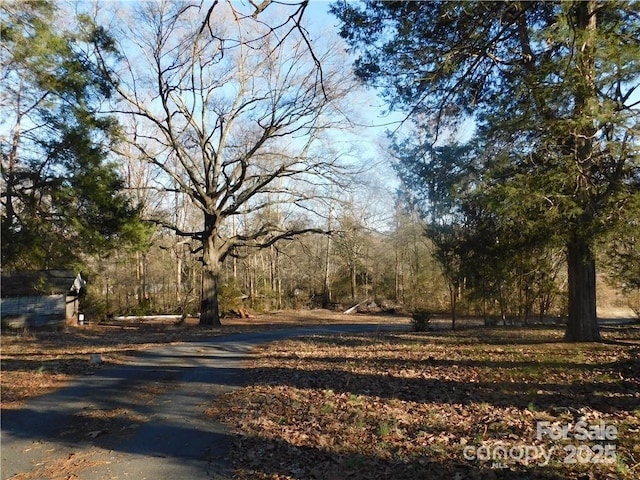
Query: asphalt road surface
142	420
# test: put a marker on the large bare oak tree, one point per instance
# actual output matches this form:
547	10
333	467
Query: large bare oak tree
229	108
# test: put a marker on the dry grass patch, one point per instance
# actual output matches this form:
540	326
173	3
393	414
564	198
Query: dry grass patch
420	405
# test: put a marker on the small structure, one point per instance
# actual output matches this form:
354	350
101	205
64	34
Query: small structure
38	298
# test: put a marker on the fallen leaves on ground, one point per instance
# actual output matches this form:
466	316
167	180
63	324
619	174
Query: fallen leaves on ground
38	361
68	467
462	405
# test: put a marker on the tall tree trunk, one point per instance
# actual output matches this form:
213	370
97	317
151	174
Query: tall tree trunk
106	294
141	277
278	278
353	278
179	278
326	281
453	299
397	274
583	322
211	267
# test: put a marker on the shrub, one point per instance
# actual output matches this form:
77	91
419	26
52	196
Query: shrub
229	298
420	319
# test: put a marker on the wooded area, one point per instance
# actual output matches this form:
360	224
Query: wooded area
203	158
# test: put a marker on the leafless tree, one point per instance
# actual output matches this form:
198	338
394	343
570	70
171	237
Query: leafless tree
229	110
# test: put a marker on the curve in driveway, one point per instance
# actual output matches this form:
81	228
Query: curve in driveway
143	420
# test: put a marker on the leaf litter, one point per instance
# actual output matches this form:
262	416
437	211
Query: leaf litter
464	404
399	406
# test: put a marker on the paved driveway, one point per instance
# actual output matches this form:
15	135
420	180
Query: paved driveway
143	420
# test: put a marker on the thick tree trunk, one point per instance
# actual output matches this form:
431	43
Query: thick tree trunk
209	312
211	266
583	322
